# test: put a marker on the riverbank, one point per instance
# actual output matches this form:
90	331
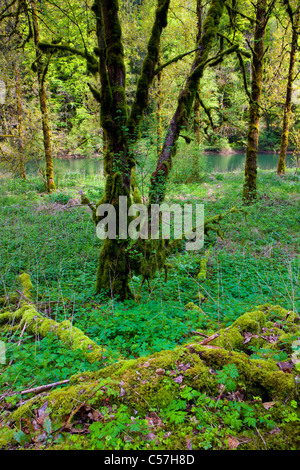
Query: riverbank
203	152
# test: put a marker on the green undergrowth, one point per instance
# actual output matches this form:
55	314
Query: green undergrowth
191	397
52	238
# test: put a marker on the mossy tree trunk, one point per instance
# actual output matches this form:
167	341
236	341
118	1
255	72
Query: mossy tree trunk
21	156
185	102
197	104
250	185
158	110
120	129
41	72
294	18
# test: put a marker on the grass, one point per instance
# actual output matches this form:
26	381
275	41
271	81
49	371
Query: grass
55	242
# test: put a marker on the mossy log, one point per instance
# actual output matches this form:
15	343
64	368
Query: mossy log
149	385
28	318
33	322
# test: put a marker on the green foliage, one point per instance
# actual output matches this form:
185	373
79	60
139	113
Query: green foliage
227	375
34	363
116	427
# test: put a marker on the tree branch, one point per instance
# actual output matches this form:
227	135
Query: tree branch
172	61
91	60
148	68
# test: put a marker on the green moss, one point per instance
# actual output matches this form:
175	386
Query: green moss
26	285
151	384
232	338
6	436
35	323
203	266
192	306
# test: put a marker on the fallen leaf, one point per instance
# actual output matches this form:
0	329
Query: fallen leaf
233	443
151	436
189	444
154	420
275	431
285	366
179	379
41	414
267	405
184	367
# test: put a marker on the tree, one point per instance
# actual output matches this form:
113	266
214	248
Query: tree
258	52
294	19
121	125
21	159
41	70
13	149
29	8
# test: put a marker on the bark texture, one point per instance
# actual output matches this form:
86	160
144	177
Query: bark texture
41	72
21	157
250	185
289	91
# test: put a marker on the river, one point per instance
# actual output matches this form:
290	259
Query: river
209	163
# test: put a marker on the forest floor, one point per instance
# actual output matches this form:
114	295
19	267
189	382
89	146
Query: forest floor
52	238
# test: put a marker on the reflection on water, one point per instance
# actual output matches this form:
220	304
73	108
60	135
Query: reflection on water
209	163
235	162
87	166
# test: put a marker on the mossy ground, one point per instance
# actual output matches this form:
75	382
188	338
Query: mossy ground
177	397
257	263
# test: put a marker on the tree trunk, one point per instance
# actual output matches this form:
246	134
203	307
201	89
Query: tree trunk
21	156
120	130
185	103
250	185
158	111
41	72
288	101
197	105
113	270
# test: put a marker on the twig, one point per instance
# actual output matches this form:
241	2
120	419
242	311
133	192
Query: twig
37	390
199	334
22	332
261	437
210	339
24	297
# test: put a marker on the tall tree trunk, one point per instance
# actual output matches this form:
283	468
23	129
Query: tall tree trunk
121	130
197	105
158	110
250	185
185	102
288	102
21	156
41	72
113	269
